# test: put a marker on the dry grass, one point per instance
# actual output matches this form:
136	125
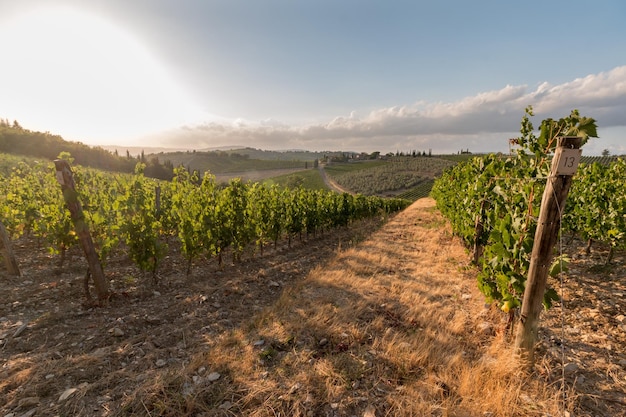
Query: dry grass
391	327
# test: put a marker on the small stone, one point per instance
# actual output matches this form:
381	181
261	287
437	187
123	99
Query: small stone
485	328
323	342
104	399
274	284
116	332
570	368
226	405
466	296
187	389
197	380
201	370
28	402
526	399
370	411
160	363
49	376
213	376
20	330
156	293
100	352
621	318
67	393
153	320
259	343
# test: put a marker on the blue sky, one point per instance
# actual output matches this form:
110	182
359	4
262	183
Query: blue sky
319	75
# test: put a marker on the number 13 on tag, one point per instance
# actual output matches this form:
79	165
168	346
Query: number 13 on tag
566	161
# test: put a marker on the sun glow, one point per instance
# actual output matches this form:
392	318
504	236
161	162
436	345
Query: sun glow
80	76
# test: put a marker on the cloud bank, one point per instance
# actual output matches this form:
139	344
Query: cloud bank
481	123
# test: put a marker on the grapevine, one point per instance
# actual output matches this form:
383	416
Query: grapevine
501	195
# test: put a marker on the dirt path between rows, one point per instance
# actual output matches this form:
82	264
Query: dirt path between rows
330	183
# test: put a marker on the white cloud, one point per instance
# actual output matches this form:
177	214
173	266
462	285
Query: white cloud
602	96
482	122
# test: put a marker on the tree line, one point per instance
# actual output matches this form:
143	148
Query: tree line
16	140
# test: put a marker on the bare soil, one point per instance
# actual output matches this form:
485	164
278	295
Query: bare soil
330	183
583	339
60	357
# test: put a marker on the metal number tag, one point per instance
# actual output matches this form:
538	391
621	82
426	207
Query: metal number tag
566	161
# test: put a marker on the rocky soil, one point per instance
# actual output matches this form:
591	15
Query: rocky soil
59	356
583	339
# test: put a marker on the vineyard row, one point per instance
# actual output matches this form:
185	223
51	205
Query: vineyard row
141	213
493	205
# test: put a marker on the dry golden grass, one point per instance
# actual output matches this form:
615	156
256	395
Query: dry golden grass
391	327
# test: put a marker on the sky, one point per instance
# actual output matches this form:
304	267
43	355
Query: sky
351	75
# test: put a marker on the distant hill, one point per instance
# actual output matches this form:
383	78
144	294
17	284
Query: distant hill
250	159
16	140
230	159
137	150
160	162
252	153
220	162
281	155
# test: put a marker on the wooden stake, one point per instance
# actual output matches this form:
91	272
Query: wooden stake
564	166
66	179
7	252
478	233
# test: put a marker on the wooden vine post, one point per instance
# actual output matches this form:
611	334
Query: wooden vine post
7	252
477	252
66	179
564	164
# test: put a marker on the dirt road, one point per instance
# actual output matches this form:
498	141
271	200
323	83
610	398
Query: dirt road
330	183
